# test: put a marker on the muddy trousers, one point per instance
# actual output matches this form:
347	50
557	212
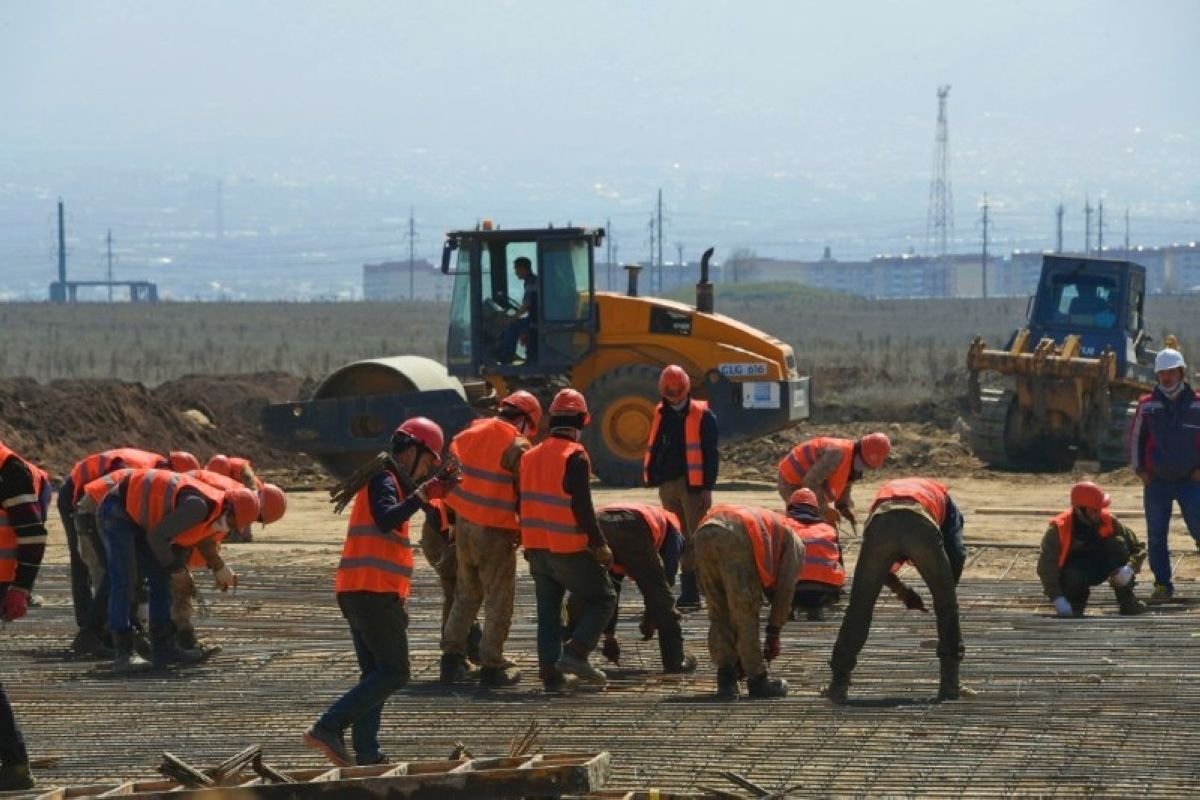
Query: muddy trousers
891	537
442	555
734	592
95	561
690	507
555	574
12	745
83	589
487	577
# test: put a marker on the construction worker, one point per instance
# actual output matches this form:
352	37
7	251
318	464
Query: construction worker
829	467
438	547
150	520
682	461
24	499
822	574
521	328
89	594
742	553
646	544
1165	454
372	585
1084	546
565	548
486	536
241	470
912	519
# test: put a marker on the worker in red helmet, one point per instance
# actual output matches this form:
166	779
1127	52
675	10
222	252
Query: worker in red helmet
241	470
1085	546
152	519
822	573
565	548
24	499
830	467
372	585
487	533
682	461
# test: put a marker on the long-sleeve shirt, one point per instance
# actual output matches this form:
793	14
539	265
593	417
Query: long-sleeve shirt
827	463
191	509
20	502
1085	539
577	483
668	451
1165	435
387	509
790	560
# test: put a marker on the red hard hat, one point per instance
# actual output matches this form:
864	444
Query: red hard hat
874	448
273	503
219	464
245	506
183	461
1086	494
803	497
569	401
527	404
674	383
427	433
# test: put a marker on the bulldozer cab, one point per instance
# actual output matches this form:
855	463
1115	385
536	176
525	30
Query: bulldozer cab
523	301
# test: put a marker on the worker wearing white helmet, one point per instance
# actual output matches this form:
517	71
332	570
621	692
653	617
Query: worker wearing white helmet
1165	453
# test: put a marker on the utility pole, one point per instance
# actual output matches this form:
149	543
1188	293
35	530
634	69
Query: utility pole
1058	214
1087	227
939	225
1100	229
651	259
1126	232
660	243
110	284
412	244
985	245
62	250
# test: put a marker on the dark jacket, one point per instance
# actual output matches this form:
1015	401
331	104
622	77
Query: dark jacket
668	458
1165	440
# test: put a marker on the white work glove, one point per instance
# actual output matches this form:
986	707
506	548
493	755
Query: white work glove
1062	607
1121	576
226	578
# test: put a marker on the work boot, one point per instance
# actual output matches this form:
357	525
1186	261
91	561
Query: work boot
165	650
689	593
555	681
89	643
499	677
949	687
1162	594
765	687
1128	603
455	669
838	689
571	663
14	777
685	666
474	637
815	613
125	658
329	744
186	638
727	683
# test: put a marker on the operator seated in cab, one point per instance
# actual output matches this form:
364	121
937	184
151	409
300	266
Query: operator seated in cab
1095	301
521	326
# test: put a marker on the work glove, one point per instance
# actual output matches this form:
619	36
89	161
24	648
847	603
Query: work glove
15	605
603	554
611	649
647	628
1062	607
437	488
912	600
830	515
226	578
1121	576
771	645
847	513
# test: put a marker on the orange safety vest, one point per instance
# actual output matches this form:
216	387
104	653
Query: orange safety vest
657	519
929	493
691	442
822	557
98	489
796	464
487	495
374	560
766	530
151	494
98	465
547	521
8	534
443	516
1065	524
225	484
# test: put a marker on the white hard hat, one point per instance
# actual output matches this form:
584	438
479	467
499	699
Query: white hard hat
1168	359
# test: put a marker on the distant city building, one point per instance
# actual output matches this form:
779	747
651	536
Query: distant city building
391	280
1181	268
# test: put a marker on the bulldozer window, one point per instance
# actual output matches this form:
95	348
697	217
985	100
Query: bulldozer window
1086	300
564	278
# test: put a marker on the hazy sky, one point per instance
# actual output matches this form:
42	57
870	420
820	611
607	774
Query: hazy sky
769	124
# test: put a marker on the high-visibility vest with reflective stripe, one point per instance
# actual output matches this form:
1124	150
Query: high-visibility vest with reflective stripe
443	516
766	531
930	494
8	534
693	453
657	519
98	465
822	561
487	495
98	489
151	494
796	464
547	521
1065	523
225	484
374	560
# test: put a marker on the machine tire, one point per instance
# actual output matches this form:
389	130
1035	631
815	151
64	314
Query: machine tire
987	428
622	403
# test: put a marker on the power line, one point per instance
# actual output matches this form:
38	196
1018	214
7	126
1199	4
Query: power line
939	224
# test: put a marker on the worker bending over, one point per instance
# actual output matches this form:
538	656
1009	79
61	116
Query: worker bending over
822	574
830	467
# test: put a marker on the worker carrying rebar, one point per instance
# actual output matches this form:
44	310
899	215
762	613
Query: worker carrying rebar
1165	454
830	467
822	573
1085	546
89	587
487	533
374	578
742	553
24	500
241	470
682	460
912	519
441	553
149	522
565	548
646	544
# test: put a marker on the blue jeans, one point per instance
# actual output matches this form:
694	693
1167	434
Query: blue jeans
555	574
127	550
379	628
12	746
1158	500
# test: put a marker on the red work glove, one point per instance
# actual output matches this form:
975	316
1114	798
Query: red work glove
612	650
912	601
437	488
15	605
772	645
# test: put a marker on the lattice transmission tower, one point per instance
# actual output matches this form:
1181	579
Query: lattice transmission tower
939	224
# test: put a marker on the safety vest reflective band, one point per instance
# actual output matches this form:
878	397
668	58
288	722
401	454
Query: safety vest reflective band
822	557
796	464
98	489
693	453
374	560
657	519
8	534
766	531
152	494
1065	522
487	495
98	465
217	481
929	493
547	521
